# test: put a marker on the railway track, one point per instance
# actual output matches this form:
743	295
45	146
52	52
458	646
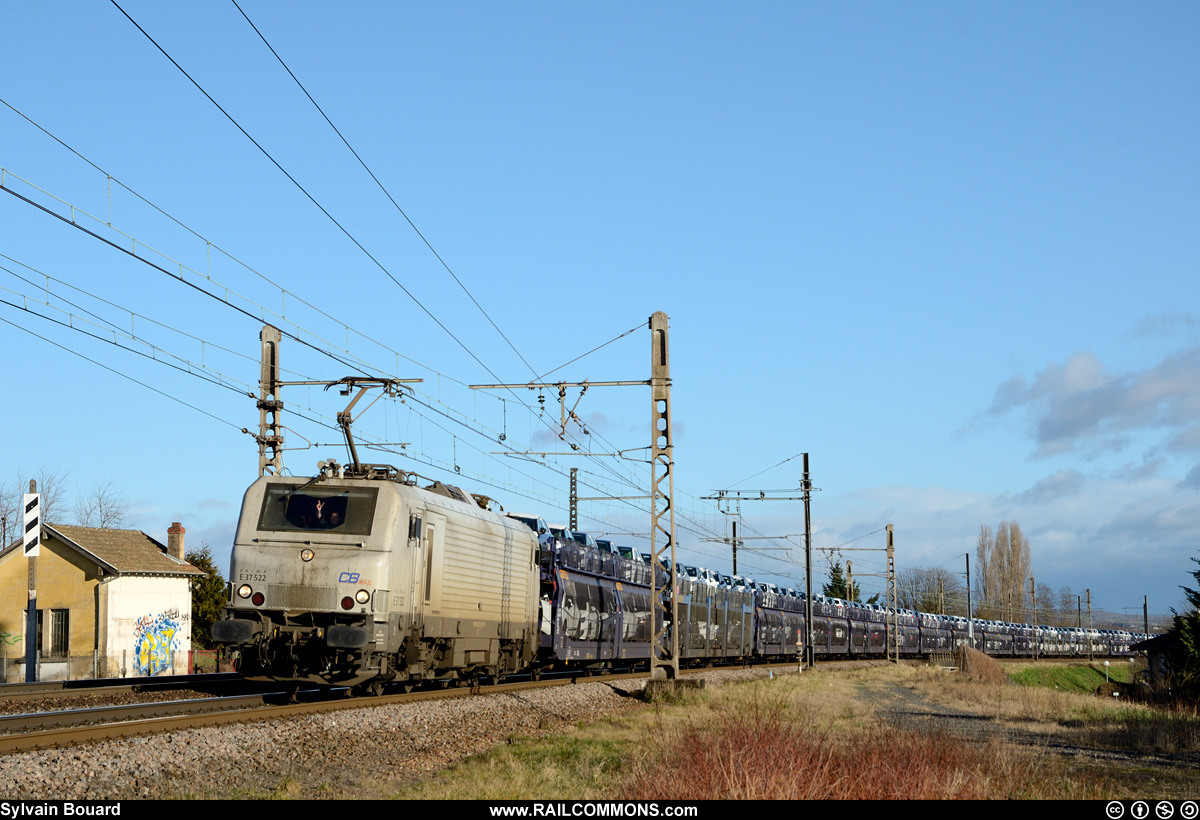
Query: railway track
107	686
44	730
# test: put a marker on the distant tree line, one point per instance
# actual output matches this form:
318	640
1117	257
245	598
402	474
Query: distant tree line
1002	566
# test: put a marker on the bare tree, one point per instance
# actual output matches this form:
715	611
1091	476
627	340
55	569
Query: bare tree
1046	613
1068	607
931	589
985	582
102	506
1019	570
1002	571
51	485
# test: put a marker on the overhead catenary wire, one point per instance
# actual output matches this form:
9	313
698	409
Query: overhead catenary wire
122	375
760	472
186	366
401	211
386	192
209	243
202	290
310	197
132	314
606	466
629	480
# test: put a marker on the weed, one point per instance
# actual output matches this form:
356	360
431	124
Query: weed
766	749
979	667
1148	730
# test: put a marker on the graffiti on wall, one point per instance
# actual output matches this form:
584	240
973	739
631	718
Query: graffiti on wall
155	641
9	639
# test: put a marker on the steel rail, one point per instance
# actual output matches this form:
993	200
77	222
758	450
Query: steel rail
75	688
68	718
226	711
73	735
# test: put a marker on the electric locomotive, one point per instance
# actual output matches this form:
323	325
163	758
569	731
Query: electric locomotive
358	577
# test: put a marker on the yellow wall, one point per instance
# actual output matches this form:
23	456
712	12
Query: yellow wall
65	580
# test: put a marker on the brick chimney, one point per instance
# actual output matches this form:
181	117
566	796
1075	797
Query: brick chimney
175	540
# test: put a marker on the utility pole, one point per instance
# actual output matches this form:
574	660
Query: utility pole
32	505
664	655
1033	612
735	546
1089	632
574	500
893	598
810	658
730	498
970	617
664	642
1145	615
270	442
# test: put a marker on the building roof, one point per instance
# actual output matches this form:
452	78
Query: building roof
1167	642
120	551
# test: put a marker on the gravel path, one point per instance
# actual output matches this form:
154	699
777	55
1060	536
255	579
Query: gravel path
362	753
907	708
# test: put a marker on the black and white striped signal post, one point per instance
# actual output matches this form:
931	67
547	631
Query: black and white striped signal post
32	542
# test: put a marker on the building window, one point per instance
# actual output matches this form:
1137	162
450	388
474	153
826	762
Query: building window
60	632
55	643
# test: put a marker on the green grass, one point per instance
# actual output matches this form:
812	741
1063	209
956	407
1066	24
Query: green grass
1075	677
582	764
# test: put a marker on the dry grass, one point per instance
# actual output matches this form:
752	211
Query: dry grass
764	745
1174	731
1010	704
832	735
978	667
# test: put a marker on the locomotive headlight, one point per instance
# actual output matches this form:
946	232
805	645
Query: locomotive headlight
244	591
306	555
362	596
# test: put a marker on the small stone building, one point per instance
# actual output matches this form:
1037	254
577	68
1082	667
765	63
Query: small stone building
110	603
1164	653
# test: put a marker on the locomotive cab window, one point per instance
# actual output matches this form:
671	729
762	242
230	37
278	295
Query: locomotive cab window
344	510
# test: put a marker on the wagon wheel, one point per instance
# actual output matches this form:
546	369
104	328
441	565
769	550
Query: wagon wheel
370	689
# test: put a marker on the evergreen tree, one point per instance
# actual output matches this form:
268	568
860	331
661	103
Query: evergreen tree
1187	627
209	596
837	587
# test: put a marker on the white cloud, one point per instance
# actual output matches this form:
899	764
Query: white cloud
1080	407
1063	484
1119	538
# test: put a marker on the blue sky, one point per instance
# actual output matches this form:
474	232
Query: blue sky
948	250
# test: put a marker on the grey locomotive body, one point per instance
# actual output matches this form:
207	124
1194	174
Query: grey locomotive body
350	581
